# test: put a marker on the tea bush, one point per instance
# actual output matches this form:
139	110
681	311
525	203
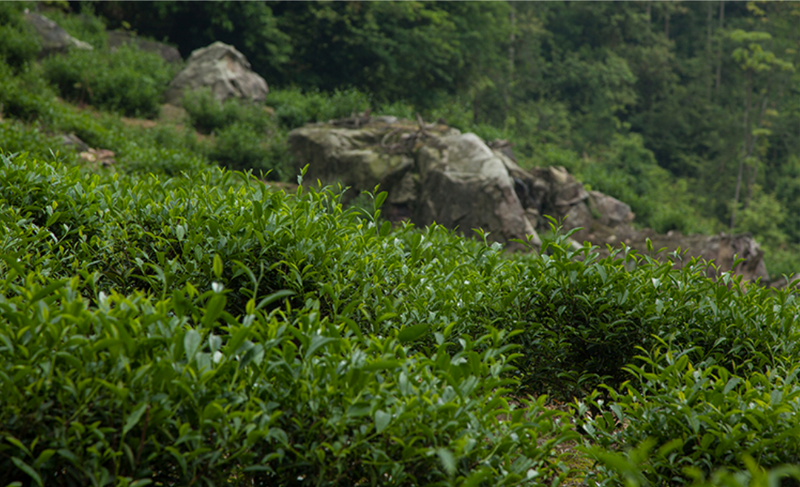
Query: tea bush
582	317
209	115
295	108
126	80
192	262
195	340
19	44
17	138
25	97
238	148
699	417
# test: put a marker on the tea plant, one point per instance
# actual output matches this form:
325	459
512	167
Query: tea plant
199	339
698	418
295	108
126	80
19	44
208	114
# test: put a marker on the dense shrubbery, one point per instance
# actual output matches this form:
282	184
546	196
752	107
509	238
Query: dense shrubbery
223	331
208	115
295	108
193	372
164	322
126	80
19	45
700	417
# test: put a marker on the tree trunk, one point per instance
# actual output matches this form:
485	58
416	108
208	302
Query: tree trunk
709	54
511	40
753	141
745	148
719	52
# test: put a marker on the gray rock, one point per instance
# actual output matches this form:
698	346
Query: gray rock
222	69
433	173
723	249
436	174
168	53
612	212
471	189
54	39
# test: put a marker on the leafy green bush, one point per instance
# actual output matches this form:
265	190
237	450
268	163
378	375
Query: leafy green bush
198	330
582	317
246	137
16	137
139	390
699	417
237	147
126	80
295	108
19	44
27	96
629	467
209	115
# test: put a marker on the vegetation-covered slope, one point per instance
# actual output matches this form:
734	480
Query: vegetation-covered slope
167	322
184	329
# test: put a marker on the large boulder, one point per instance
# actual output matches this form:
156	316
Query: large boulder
465	186
168	53
435	174
54	39
432	173
222	69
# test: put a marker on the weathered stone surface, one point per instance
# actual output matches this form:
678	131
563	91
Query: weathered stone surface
221	68
168	53
433	173
436	174
612	212
54	39
471	189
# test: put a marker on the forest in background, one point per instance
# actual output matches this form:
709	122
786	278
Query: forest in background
689	111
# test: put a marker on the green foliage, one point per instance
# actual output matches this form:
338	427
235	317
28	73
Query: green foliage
246	135
250	27
698	418
208	115
126	80
17	138
238	148
295	108
215	330
702	87
19	44
628	171
163	322
26	96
